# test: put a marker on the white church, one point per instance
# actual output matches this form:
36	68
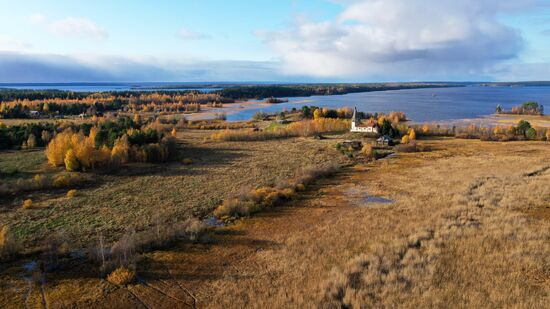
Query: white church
357	126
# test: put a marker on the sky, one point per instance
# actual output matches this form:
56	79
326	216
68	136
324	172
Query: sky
279	41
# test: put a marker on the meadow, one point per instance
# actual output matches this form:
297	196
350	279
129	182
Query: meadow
287	210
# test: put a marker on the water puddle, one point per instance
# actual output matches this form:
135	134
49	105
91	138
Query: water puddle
213	222
30	266
377	199
359	197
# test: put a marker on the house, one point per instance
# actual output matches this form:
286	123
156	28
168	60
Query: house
384	140
34	114
357	126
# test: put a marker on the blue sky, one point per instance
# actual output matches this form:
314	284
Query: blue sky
242	40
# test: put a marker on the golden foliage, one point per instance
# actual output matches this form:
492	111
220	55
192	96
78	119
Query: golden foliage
122	276
412	134
174	132
405	139
27	204
317	114
72	193
71	162
120	151
7	242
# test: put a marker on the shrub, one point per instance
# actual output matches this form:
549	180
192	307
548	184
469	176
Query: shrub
27	204
259	116
368	151
72	193
234	208
122	276
405	139
8	245
531	133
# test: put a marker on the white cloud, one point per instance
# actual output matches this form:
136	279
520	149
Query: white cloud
77	27
37	18
401	39
12	44
187	34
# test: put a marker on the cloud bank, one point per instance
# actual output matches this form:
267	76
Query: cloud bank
38	68
401	39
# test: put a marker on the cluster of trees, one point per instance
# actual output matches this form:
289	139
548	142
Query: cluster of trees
527	108
26	136
19	103
108	144
304	90
314	112
14	94
22	109
522	131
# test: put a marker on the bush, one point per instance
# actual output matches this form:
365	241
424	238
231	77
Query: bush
72	193
8	245
255	200
27	204
368	151
122	276
531	134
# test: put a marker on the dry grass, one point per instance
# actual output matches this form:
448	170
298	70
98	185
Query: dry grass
455	236
135	196
299	128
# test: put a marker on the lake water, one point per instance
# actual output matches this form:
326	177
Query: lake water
420	105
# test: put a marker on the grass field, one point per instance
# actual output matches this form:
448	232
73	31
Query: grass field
468	227
134	197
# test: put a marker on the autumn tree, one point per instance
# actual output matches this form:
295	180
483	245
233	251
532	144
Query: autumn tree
71	162
412	134
405	139
31	141
46	136
317	114
120	151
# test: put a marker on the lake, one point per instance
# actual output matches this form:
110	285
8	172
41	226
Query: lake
420	105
